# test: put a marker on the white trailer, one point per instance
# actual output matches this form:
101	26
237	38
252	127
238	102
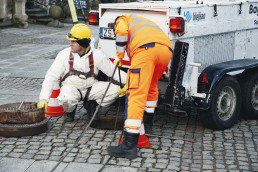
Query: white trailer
220	75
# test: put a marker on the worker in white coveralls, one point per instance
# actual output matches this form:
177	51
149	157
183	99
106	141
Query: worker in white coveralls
76	68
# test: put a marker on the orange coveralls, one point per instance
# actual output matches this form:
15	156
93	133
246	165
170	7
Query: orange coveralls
149	50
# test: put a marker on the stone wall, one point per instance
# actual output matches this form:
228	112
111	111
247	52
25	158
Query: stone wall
6	7
14	10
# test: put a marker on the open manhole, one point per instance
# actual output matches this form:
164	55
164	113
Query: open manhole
22	119
108	123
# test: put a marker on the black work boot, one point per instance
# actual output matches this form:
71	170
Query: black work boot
148	122
128	149
70	115
91	107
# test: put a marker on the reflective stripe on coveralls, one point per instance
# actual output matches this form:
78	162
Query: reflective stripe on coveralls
143	26
120	49
136	20
133	125
121	38
150	106
121	43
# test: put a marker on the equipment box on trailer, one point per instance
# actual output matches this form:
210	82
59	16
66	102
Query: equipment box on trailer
214	67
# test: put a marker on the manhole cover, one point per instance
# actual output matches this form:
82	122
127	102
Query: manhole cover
22	119
21	113
108	123
20	130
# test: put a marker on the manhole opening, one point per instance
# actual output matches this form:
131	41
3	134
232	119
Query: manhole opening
108	123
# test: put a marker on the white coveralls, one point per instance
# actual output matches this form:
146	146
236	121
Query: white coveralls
69	87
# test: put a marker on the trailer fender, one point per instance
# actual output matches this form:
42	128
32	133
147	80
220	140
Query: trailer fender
212	75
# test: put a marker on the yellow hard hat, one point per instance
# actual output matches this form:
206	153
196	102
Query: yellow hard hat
79	31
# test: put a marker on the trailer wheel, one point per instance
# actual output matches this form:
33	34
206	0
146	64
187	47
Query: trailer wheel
250	97
225	105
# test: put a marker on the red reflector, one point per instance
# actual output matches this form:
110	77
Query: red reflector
177	25
203	78
93	18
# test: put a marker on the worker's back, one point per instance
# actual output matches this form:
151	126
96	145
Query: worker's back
143	31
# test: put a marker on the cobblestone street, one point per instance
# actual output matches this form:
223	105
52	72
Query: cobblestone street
183	144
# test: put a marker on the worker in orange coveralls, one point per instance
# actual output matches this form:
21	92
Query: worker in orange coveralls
150	51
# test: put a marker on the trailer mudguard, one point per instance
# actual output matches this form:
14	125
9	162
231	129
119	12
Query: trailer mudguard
211	76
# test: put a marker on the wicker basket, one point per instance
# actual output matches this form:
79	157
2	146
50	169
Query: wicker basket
21	113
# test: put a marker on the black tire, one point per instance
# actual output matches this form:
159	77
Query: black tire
225	105
250	96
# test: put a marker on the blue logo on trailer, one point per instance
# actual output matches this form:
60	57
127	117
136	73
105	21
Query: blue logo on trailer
101	32
188	16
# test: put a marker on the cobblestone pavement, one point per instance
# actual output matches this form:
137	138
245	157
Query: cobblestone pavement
22	67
